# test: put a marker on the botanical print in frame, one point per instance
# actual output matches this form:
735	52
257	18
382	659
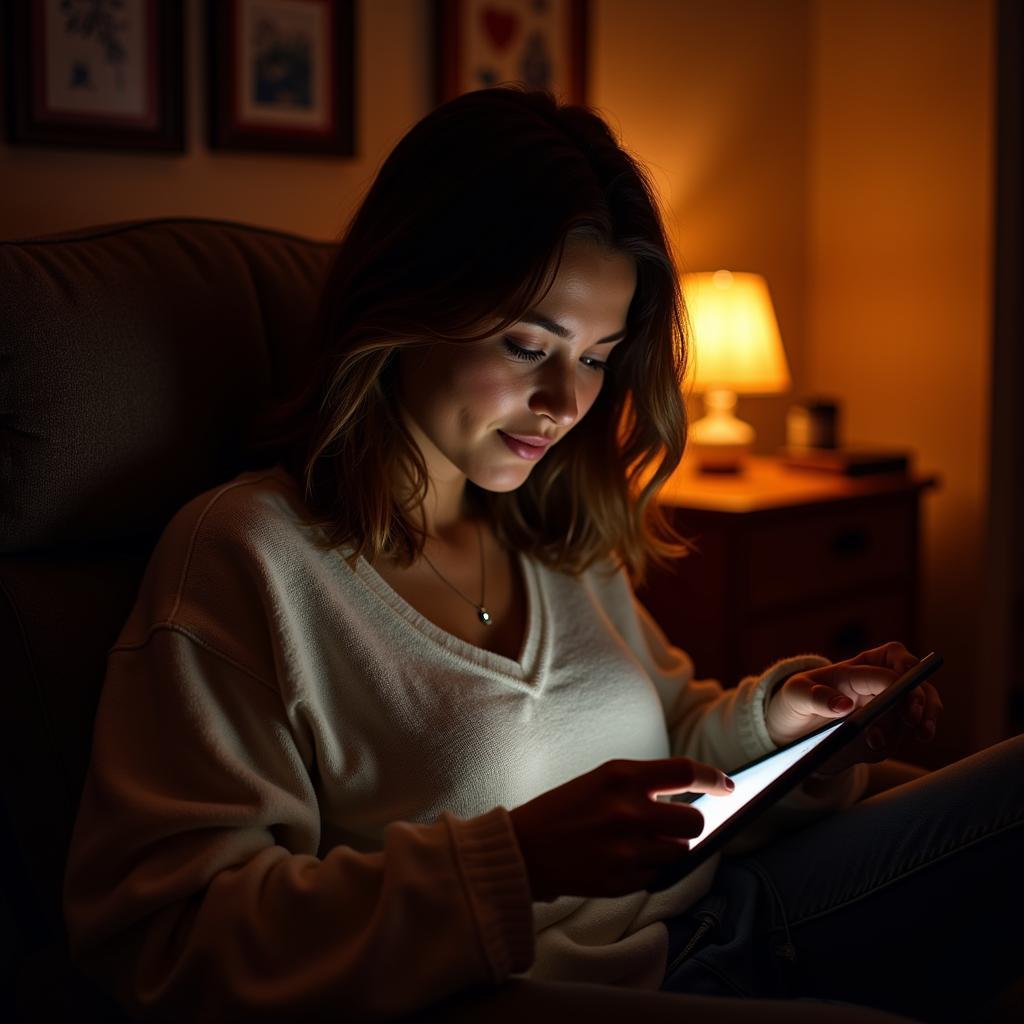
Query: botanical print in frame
95	73
281	75
539	43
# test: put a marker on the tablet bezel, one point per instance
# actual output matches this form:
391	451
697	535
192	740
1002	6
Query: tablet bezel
850	728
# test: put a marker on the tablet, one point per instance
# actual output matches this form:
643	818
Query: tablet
764	781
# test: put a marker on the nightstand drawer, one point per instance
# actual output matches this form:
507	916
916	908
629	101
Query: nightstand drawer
788	561
808	556
837	630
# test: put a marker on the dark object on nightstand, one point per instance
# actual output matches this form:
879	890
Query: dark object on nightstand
847	461
813	423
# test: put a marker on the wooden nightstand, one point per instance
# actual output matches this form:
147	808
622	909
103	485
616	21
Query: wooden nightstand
788	562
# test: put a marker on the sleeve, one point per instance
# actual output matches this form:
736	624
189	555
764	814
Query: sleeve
727	728
194	889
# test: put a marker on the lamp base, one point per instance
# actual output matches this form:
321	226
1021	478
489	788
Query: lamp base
718	458
719	442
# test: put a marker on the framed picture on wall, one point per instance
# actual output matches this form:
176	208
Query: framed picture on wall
539	43
104	73
282	75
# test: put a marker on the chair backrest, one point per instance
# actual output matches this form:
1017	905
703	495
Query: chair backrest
133	358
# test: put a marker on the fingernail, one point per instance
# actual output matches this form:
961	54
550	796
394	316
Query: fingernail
840	703
929	730
729	784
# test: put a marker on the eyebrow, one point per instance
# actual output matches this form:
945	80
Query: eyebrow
560	330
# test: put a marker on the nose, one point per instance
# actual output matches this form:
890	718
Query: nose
555	394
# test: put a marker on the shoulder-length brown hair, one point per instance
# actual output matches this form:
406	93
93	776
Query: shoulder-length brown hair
465	222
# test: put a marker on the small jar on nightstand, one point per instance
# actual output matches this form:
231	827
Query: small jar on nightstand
813	423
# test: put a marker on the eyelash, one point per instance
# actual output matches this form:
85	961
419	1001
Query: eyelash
532	355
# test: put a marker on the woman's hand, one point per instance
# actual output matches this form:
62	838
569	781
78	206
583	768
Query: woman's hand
807	700
605	834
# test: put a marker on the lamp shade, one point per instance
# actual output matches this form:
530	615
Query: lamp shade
735	336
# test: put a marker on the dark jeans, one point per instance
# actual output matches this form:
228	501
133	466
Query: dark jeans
910	901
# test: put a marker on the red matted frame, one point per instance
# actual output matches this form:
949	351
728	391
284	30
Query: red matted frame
452	28
237	123
32	118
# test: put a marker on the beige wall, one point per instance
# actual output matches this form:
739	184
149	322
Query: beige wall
47	189
714	97
844	149
900	278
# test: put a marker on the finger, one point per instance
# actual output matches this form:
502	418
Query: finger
877	741
675	820
669	775
665	873
891	655
920	708
913	706
885	733
664	848
930	714
886	748
855	680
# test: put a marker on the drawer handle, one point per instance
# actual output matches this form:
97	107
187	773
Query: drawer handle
850	542
848	640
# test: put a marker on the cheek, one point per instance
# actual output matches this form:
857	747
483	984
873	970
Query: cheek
485	393
454	393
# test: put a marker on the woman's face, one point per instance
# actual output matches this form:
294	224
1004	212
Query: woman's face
488	411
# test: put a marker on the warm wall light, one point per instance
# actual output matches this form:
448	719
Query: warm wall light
735	347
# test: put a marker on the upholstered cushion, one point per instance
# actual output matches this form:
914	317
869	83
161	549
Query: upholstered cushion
132	360
131	357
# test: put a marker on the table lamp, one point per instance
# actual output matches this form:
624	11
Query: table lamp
735	347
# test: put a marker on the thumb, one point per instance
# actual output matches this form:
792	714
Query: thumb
805	696
862	680
855	680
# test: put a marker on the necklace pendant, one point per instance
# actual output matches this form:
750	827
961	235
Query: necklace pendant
484	616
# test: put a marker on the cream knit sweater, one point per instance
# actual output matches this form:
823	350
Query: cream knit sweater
297	802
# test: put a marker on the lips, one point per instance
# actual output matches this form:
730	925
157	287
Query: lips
526	446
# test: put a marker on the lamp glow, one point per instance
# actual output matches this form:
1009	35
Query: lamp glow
736	348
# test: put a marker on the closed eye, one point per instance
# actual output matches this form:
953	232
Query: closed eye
517	352
532	354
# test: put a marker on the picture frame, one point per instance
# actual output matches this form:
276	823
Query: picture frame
539	43
95	73
282	75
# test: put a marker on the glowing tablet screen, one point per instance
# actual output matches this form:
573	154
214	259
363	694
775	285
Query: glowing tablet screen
751	781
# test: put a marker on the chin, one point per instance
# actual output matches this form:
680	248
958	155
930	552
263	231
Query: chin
502	481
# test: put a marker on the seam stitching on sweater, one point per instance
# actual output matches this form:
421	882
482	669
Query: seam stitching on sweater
174	627
195	534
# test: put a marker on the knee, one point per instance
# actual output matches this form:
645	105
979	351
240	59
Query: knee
883	775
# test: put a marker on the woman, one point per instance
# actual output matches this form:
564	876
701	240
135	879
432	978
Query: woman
386	722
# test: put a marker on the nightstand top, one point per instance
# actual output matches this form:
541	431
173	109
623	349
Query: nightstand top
766	483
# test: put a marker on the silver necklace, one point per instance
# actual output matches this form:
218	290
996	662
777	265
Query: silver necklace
481	612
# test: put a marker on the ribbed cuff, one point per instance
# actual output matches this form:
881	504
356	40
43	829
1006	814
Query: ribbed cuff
754	725
495	878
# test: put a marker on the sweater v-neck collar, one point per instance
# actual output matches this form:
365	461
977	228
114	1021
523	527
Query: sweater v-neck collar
523	671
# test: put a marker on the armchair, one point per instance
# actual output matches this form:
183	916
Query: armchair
132	359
